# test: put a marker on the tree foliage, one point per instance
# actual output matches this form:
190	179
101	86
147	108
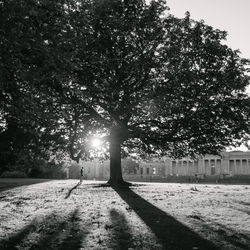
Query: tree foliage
150	82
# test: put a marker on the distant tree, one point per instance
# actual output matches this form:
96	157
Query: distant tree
27	150
152	83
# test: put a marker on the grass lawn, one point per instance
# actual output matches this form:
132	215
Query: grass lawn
61	214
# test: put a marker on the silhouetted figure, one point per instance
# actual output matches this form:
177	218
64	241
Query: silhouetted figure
196	178
81	175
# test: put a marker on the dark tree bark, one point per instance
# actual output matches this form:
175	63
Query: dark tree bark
115	163
115	142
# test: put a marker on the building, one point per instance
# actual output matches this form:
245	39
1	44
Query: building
234	164
228	164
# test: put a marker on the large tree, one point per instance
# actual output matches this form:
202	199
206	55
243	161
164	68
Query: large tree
148	81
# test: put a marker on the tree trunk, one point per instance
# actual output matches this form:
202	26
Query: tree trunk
115	161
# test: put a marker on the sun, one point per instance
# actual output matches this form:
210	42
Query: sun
96	143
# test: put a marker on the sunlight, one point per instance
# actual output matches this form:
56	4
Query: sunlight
96	143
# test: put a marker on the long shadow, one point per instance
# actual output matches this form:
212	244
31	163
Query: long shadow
171	233
74	234
54	233
121	232
12	241
70	191
226	234
10	183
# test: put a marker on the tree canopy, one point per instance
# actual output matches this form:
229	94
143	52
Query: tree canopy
128	70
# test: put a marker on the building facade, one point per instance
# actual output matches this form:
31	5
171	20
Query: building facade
228	164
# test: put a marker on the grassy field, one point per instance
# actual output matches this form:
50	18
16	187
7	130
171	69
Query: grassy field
61	214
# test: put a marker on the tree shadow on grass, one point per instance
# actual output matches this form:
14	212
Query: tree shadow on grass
52	232
171	233
107	185
70	191
10	183
74	234
12	241
228	235
120	230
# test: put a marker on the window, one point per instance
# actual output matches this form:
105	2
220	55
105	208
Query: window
237	163
141	170
174	167
238	169
147	170
206	163
190	165
212	163
218	162
154	170
161	170
244	166
212	170
231	165
196	167
207	167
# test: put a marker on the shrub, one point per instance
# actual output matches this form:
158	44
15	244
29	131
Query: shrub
13	174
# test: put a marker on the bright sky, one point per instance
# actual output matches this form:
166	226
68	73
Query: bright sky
230	15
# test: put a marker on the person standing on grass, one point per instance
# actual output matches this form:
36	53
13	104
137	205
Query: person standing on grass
81	175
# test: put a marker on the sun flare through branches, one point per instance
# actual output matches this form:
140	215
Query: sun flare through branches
96	143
